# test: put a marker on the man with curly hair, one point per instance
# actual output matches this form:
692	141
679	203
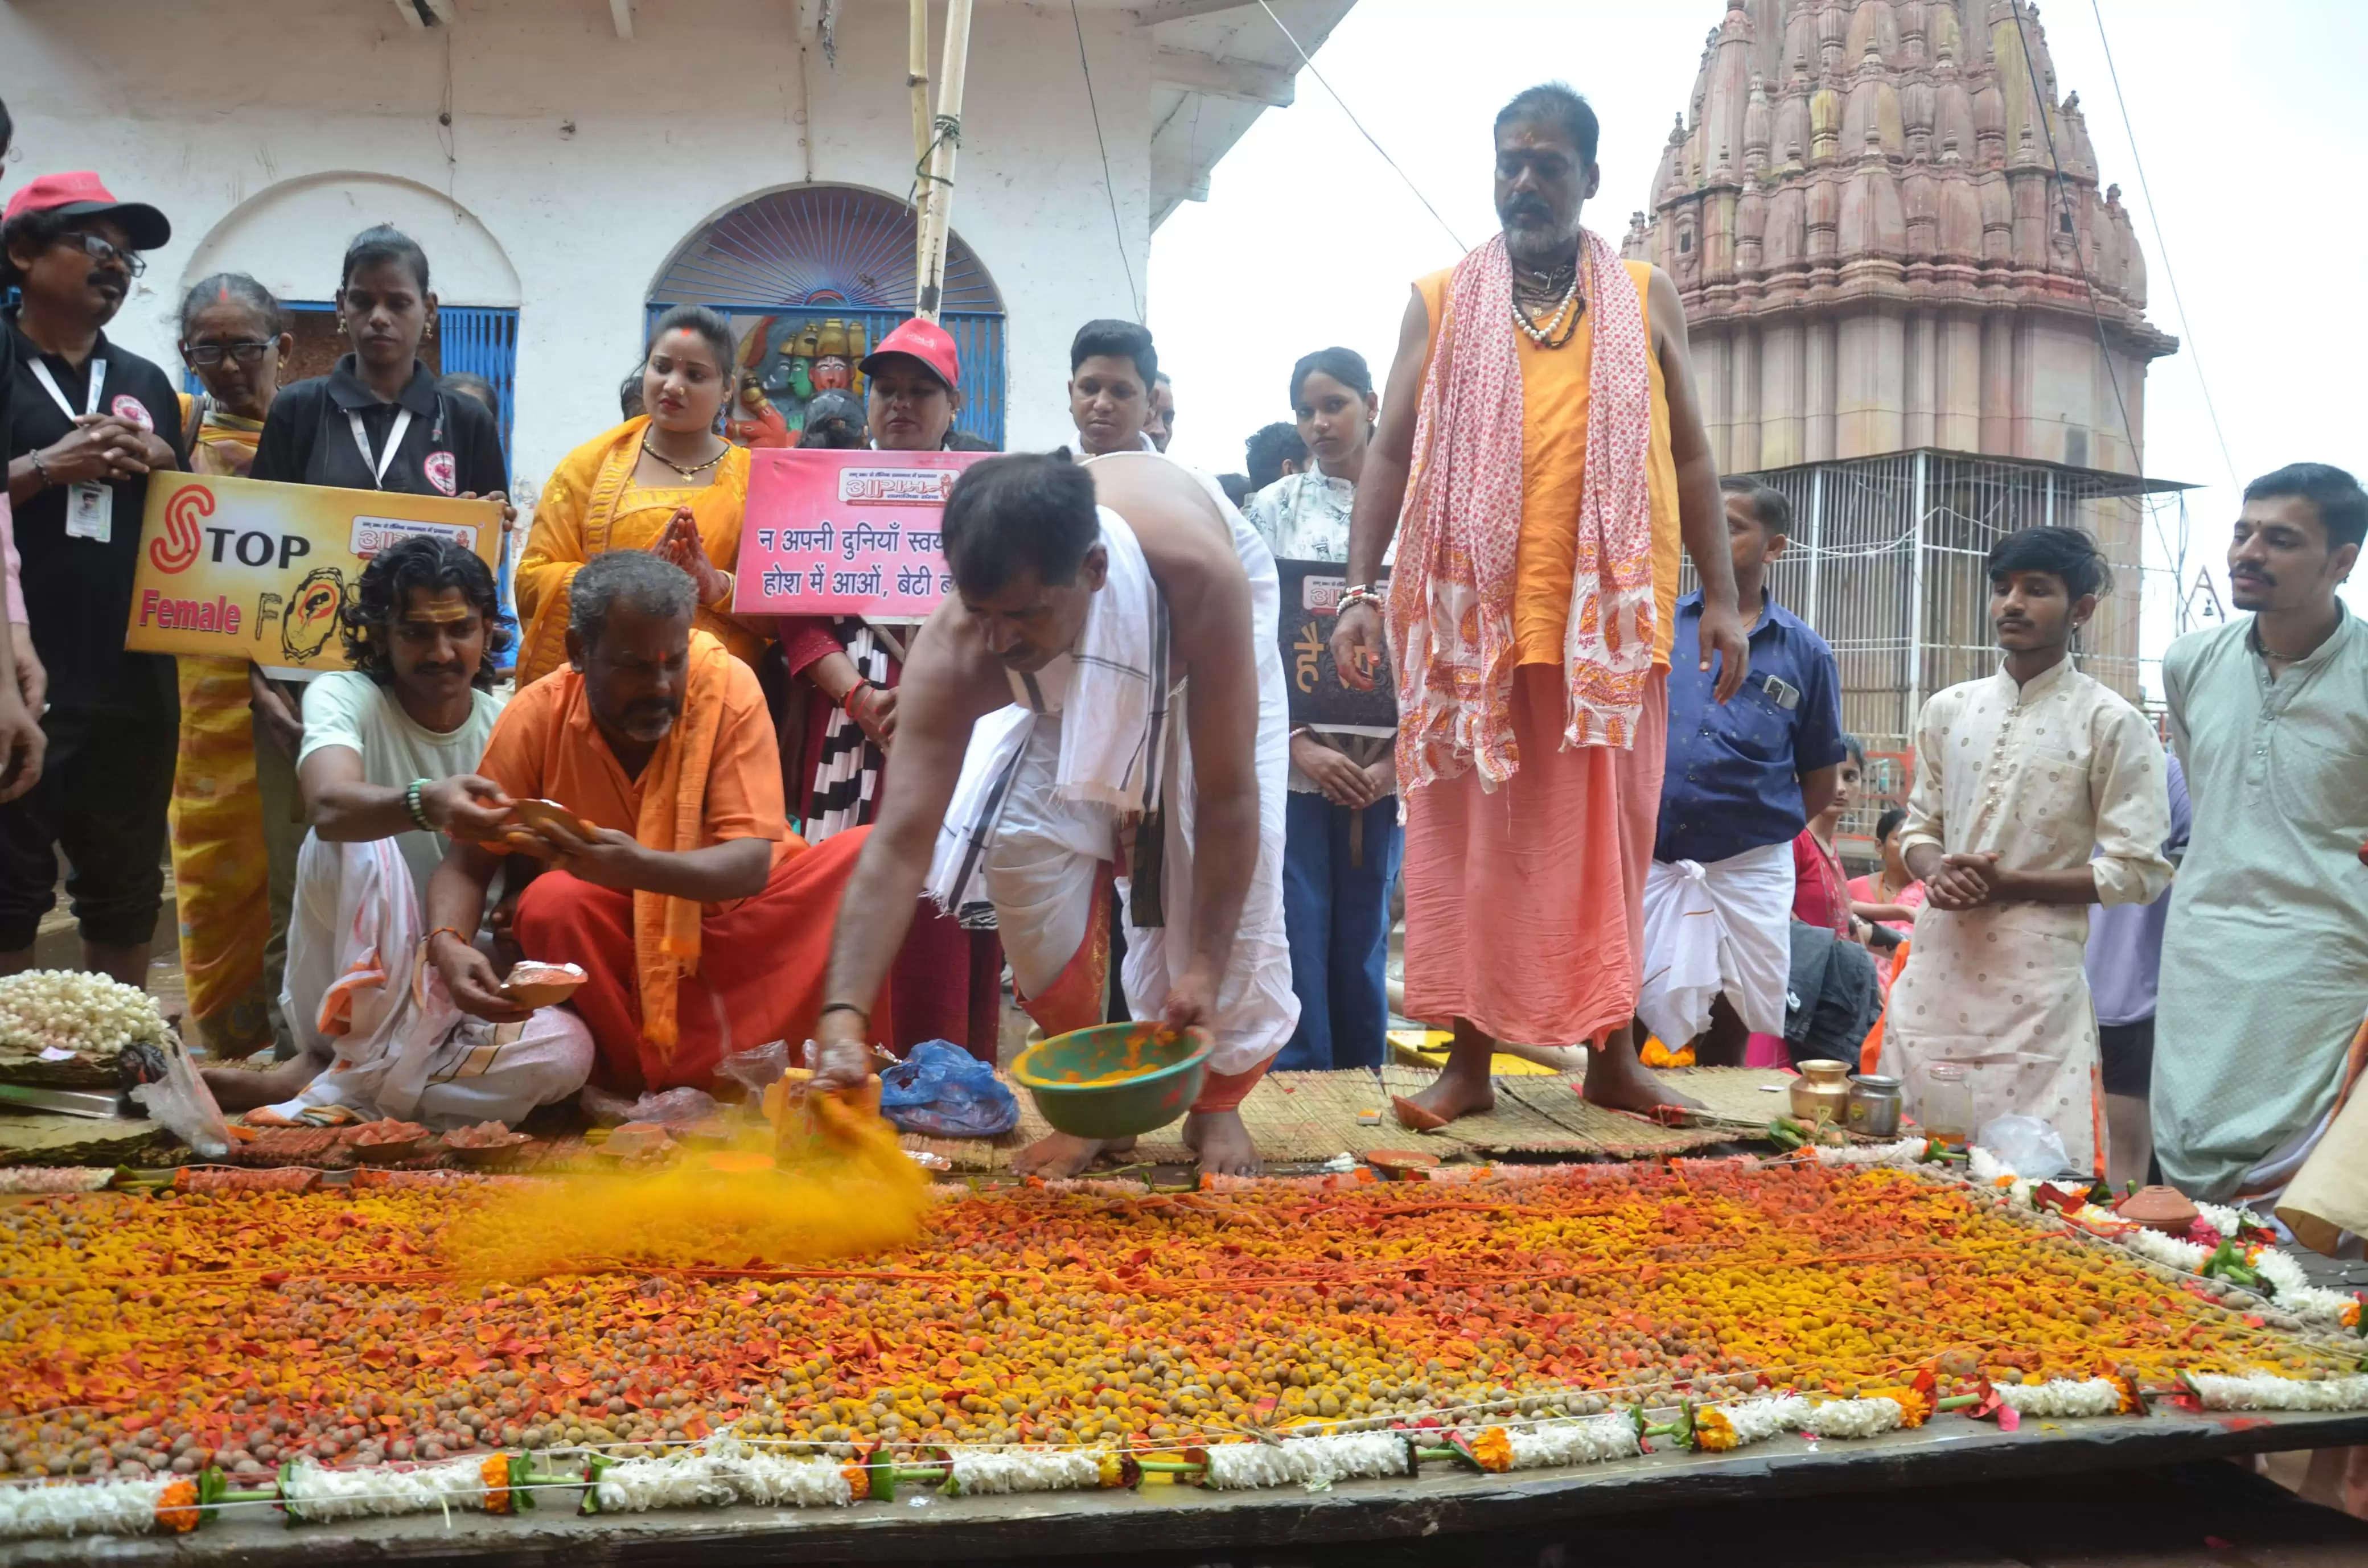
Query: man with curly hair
388	771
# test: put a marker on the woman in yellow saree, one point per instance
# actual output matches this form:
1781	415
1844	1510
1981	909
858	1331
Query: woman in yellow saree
235	838
664	481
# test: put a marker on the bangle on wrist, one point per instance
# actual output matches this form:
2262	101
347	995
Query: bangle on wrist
830	1008
1361	593
452	931
412	803
40	469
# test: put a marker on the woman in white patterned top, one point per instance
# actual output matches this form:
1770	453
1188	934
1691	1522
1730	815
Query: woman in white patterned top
1341	852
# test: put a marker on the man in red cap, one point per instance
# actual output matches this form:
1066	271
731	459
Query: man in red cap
87	422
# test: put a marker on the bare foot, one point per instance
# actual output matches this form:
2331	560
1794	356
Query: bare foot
240	1089
1058	1155
1617	1080
1461	1087
1223	1142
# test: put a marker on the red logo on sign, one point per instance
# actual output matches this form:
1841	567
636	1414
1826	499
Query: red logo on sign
439	469
178	547
131	411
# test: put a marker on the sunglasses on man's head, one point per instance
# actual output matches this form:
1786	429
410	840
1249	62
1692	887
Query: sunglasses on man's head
245	352
99	247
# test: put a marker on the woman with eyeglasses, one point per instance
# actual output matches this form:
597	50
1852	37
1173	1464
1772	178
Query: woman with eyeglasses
235	826
665	481
945	984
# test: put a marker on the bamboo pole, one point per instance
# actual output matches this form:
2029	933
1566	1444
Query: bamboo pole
917	76
946	138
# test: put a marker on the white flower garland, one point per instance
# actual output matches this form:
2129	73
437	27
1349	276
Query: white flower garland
1908	1151
2269	1392
314	1494
2061	1397
1757	1420
71	1508
1040	1469
1309	1462
47	1179
1855	1417
1590	1439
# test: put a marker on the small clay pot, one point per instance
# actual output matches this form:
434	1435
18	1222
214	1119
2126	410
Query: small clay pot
2158	1209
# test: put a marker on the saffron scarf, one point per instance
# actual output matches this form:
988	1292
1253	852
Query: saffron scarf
1452	598
674	800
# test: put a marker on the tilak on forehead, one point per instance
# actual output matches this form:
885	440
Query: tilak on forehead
449	606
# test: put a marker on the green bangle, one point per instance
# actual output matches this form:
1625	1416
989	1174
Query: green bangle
418	810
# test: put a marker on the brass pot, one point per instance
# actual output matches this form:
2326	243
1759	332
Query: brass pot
1821	1094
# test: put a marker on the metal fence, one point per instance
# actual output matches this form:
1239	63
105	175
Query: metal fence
1887	559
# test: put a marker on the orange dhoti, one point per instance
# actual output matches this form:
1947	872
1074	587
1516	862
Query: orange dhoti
1524	909
760	973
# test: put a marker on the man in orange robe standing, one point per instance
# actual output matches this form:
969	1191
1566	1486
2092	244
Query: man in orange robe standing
703	923
1541	439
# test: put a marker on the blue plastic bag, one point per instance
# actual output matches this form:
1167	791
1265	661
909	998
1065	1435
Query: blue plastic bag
945	1092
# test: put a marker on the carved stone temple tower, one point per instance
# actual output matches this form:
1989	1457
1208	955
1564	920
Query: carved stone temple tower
1902	317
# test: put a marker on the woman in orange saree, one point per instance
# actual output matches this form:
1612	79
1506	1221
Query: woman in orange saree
664	481
234	841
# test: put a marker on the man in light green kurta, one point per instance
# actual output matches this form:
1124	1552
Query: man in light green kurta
2265	959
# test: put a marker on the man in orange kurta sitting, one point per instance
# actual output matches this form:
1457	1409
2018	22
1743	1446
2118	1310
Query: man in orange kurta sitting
1542	437
703	923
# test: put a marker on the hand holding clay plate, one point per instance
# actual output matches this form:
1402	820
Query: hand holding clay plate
533	984
542	828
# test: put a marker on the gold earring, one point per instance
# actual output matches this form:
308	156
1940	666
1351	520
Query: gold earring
430	333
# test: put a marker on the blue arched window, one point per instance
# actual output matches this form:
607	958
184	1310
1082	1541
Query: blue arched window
802	271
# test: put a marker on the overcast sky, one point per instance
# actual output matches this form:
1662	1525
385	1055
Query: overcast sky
2245	115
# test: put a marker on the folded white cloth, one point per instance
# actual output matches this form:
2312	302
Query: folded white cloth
1725	927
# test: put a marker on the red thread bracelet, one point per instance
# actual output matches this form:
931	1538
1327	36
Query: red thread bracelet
847	698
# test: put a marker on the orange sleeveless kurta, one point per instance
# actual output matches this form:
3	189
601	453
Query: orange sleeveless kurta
1554	461
1552	866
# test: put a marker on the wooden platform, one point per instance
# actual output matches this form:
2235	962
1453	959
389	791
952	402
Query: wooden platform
1301	1117
1841	1492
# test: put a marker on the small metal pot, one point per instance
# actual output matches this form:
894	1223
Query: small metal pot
1873	1108
1821	1093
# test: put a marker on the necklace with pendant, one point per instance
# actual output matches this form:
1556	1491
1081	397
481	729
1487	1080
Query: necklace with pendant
1563	324
690	473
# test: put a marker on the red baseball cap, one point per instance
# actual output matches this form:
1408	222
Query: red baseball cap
922	340
79	195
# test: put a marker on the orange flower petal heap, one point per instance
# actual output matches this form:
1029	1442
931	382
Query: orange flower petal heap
339	1328
1492	1450
176	1509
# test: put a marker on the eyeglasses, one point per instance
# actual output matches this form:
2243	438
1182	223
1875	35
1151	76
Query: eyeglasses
245	352
99	247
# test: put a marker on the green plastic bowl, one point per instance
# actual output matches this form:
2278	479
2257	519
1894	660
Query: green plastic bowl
1113	1110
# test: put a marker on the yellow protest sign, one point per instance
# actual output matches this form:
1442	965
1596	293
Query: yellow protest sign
240	569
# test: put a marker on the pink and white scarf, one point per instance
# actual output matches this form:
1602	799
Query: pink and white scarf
1451	598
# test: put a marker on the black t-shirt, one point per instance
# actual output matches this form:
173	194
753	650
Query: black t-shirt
78	591
450	446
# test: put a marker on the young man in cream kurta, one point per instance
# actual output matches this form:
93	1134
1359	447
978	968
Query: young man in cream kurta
2016	775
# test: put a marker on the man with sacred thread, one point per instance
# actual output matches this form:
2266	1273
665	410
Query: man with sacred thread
1542	451
1042	761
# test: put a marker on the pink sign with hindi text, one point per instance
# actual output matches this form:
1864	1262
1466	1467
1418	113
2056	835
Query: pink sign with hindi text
846	533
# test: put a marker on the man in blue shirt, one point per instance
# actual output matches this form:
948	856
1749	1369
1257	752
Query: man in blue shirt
1743	779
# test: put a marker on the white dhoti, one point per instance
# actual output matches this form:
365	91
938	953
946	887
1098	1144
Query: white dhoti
358	991
1721	928
1035	818
2001	993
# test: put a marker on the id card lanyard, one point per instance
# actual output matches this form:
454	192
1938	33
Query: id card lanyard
378	465
90	506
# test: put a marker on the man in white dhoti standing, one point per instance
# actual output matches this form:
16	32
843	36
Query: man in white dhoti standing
2016	775
1099	711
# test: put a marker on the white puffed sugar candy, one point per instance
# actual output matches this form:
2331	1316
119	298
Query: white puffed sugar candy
106	1508
73	1011
311	1493
1587	1440
1908	1151
2062	1397
1855	1417
982	1470
2266	1391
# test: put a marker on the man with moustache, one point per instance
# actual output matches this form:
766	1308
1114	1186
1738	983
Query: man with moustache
672	879
2268	937
1541	453
1040	764
387	770
87	422
2018	776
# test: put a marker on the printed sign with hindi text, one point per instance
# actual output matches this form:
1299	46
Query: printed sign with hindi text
236	568
1311	602
846	533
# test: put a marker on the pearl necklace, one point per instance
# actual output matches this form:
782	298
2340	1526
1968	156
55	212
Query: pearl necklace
1545	337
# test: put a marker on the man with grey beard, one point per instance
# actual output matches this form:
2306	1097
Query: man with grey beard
1544	405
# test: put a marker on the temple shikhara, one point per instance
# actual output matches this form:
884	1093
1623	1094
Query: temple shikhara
1914	308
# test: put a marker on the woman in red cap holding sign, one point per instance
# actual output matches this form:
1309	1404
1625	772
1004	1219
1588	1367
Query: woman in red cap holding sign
945	984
